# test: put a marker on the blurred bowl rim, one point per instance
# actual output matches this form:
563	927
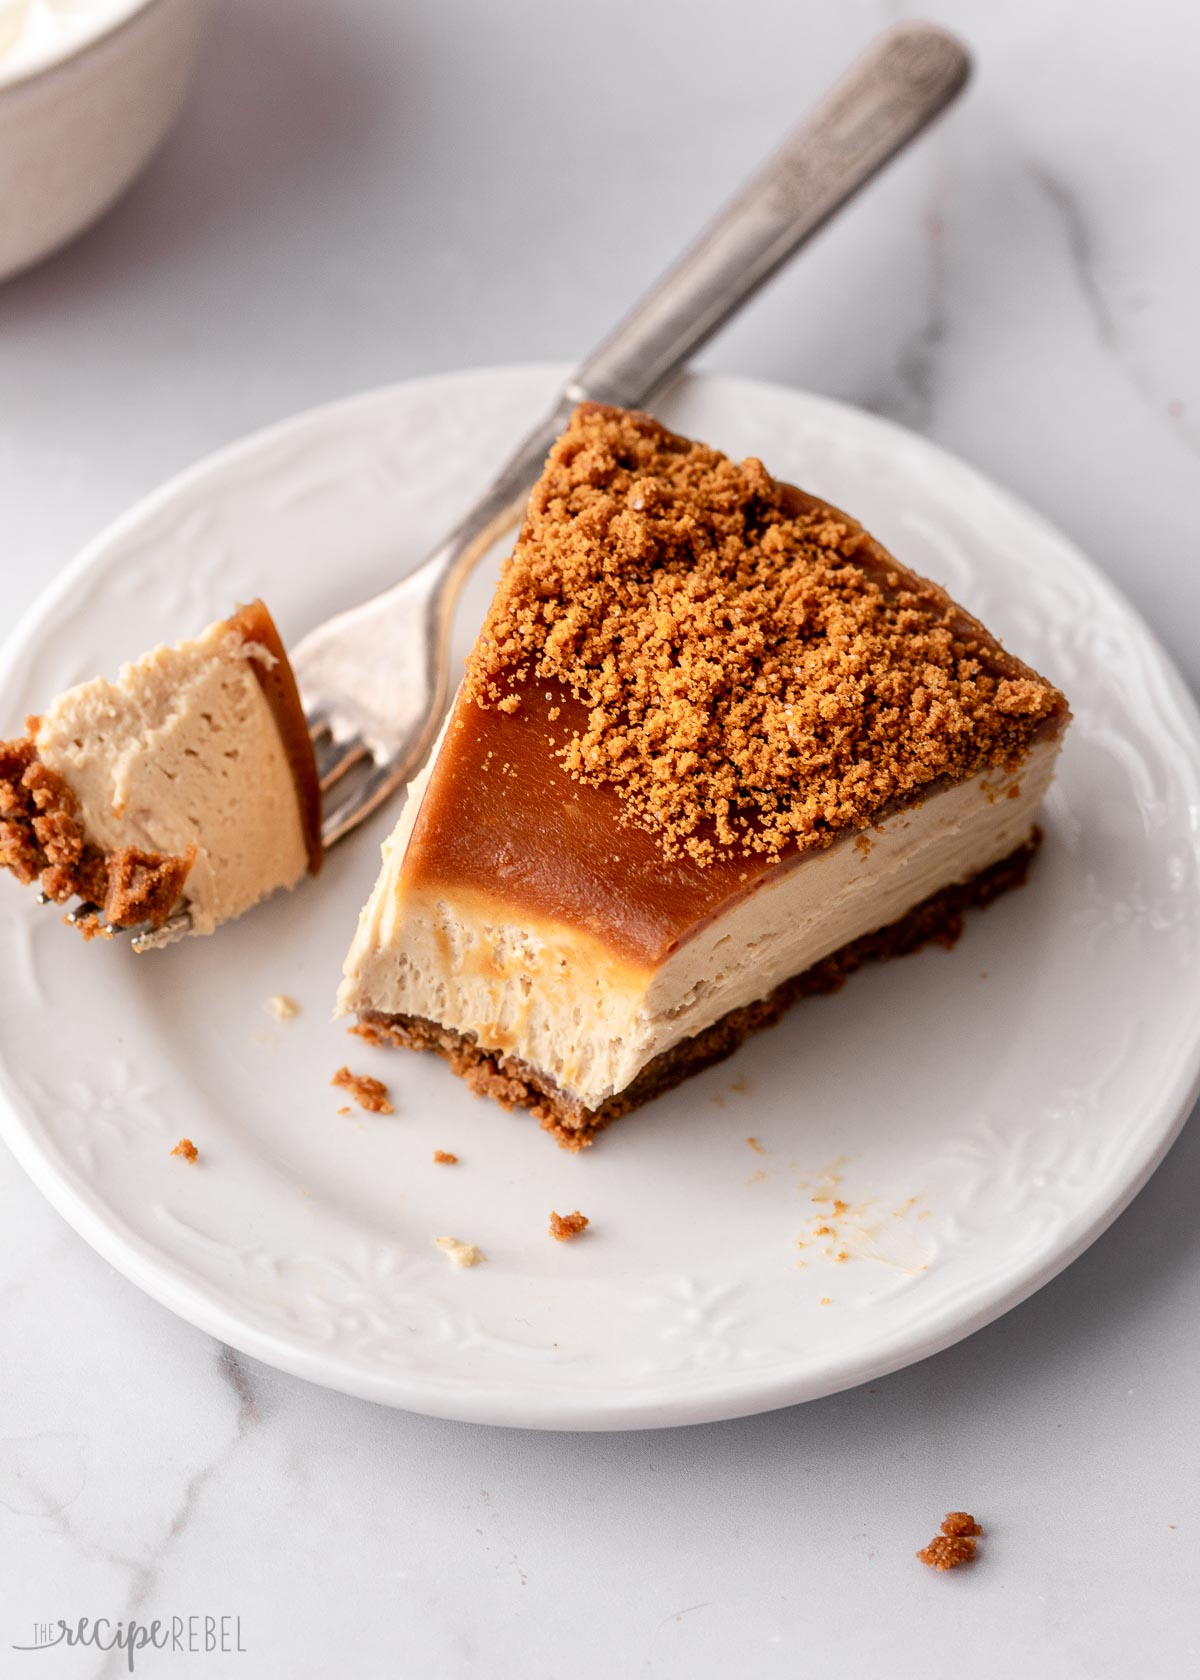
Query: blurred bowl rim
121	16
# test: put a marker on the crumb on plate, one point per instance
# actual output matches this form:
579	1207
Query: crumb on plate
187	1149
954	1545
368	1093
444	1158
564	1226
92	926
460	1253
283	1007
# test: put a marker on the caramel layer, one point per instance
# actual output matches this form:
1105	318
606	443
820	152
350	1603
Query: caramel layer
278	683
503	818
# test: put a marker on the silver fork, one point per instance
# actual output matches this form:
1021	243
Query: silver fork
373	719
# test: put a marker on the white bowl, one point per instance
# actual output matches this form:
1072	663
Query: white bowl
81	116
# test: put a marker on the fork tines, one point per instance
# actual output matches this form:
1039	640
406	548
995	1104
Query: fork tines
361	779
144	937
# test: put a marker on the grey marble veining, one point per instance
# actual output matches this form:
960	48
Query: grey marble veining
370	191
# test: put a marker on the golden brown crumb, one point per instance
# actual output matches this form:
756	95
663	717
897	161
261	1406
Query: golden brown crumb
756	675
947	1551
144	886
368	1093
755	1145
187	1149
283	1008
954	1545
41	839
39	829
443	1158
460	1253
344	1110
564	1226
92	926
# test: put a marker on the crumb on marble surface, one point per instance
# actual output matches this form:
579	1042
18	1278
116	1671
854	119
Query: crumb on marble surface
187	1149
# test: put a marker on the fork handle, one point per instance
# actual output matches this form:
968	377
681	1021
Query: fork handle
903	81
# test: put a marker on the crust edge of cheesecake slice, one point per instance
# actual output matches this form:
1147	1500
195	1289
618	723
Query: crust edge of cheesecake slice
491	1061
77	792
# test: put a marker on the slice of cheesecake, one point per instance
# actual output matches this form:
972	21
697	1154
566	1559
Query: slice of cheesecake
715	748
187	784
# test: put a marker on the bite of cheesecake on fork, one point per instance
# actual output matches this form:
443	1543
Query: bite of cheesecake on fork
172	798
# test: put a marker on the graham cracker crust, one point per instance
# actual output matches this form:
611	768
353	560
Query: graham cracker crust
41	839
513	1083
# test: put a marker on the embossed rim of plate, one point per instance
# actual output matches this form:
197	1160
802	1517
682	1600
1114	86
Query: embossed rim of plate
160	1273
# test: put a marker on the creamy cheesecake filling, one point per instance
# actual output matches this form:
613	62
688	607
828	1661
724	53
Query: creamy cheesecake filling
183	751
590	1019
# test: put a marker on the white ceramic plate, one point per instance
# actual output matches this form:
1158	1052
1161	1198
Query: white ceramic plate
963	1124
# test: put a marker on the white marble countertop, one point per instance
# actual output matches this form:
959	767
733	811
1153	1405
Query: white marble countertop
363	192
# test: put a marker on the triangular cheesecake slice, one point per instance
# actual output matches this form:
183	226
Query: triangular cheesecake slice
188	783
715	747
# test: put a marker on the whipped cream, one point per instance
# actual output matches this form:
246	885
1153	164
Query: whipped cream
34	33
